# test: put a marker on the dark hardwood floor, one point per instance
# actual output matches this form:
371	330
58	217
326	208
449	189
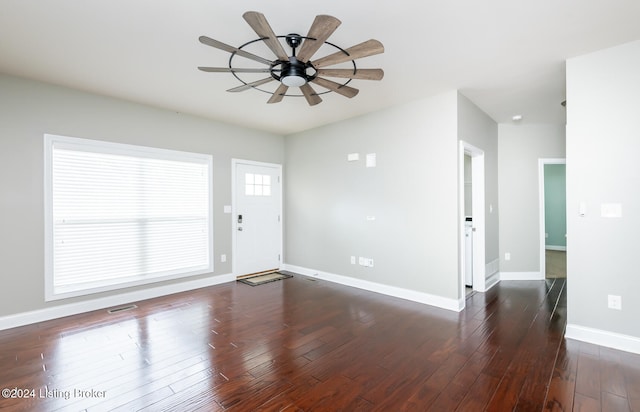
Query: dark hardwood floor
303	345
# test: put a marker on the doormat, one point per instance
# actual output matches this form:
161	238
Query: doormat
262	279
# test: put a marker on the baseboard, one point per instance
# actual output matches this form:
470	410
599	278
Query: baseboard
491	281
560	248
600	337
492	274
412	295
59	311
521	276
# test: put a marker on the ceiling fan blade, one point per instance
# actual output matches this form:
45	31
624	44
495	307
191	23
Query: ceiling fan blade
229	70
310	94
250	85
367	48
363	74
219	45
278	94
336	87
259	24
323	26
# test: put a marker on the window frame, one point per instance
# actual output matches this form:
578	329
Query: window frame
99	146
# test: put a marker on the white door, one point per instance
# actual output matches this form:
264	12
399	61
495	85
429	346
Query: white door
256	217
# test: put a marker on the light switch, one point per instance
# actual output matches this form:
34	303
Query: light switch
582	209
227	208
352	157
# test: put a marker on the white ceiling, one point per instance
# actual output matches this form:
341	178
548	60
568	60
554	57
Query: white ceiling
506	56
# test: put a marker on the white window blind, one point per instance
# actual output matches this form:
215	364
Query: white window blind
120	215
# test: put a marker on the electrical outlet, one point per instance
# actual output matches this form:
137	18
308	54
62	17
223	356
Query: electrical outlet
353	260
367	262
223	258
507	256
615	302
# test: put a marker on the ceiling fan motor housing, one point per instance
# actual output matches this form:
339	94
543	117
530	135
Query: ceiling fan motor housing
294	73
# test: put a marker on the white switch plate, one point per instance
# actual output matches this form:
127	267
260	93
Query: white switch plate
507	256
614	302
223	258
353	260
611	210
227	208
352	157
371	160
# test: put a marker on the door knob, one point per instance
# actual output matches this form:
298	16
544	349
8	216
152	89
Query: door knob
239	229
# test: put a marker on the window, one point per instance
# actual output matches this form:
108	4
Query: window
120	215
257	185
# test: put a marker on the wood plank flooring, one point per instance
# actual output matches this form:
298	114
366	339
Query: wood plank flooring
310	345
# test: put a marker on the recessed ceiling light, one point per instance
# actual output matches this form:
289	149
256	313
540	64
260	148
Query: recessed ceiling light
517	118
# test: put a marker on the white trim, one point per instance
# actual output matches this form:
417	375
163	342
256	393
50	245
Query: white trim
492	281
521	276
559	248
541	214
493	274
412	295
54	312
234	227
605	338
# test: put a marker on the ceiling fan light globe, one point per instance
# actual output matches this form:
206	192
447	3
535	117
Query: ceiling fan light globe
293	81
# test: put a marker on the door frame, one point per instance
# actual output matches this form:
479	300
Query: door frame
542	229
234	224
478	212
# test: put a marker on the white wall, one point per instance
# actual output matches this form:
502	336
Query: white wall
520	146
603	145
412	193
28	110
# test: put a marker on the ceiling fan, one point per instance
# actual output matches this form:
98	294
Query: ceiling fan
297	69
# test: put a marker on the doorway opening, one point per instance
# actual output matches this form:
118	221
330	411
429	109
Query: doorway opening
471	184
553	218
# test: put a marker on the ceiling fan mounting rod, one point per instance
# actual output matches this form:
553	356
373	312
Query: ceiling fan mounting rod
294	41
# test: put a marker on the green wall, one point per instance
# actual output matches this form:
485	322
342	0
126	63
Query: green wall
555	204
